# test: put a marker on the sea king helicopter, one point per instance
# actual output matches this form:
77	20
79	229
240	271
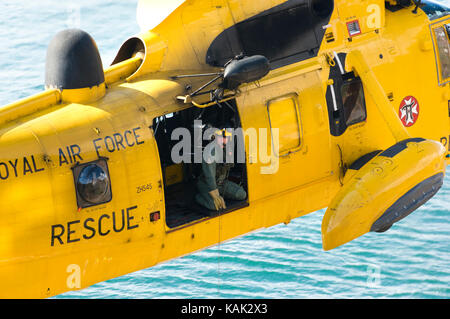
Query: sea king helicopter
353	95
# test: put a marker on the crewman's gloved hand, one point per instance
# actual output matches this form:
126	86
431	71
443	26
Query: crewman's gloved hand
219	202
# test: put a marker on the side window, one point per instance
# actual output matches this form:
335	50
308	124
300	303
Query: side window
441	35
354	102
261	35
286	33
284	116
345	97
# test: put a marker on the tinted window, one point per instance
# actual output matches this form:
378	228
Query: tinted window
354	102
285	34
278	35
443	46
434	10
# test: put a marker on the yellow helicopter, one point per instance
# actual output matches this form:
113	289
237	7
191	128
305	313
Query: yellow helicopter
338	104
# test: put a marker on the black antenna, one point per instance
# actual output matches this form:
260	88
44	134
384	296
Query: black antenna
418	4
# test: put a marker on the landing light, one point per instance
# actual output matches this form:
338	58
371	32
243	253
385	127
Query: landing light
92	183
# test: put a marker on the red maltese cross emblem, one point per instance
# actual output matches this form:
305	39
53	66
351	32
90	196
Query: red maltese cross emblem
409	111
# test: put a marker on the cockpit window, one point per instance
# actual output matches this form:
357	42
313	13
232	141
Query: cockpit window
434	10
441	35
284	34
354	102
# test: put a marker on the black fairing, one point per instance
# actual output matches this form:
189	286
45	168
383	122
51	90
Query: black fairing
285	34
409	202
245	70
73	61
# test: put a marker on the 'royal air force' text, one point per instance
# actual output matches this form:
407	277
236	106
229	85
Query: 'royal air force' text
70	155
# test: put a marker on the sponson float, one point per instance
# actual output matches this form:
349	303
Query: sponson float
348	102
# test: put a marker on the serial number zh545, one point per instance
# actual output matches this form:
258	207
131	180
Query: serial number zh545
143	188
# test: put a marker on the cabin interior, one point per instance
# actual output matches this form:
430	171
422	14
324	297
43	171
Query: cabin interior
180	179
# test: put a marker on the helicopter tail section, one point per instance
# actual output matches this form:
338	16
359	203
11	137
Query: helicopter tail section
385	190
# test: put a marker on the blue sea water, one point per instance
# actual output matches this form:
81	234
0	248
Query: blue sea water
411	260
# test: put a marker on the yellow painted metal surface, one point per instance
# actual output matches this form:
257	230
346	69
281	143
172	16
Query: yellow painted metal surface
375	187
29	105
48	245
83	95
284	116
121	71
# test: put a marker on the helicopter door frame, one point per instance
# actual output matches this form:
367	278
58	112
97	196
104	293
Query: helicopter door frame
439	48
182	181
345	97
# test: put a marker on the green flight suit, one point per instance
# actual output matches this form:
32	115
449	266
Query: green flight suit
215	176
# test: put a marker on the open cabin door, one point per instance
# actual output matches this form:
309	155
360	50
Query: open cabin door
182	138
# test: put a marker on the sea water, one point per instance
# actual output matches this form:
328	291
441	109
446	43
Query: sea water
411	260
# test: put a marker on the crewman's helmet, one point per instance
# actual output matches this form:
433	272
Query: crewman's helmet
225	133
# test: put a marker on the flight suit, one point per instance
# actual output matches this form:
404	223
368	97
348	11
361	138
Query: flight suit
215	176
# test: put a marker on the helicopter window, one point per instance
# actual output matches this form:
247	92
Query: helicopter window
443	47
353	101
435	10
300	22
262	34
284	116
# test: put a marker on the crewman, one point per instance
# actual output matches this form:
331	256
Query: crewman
213	185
